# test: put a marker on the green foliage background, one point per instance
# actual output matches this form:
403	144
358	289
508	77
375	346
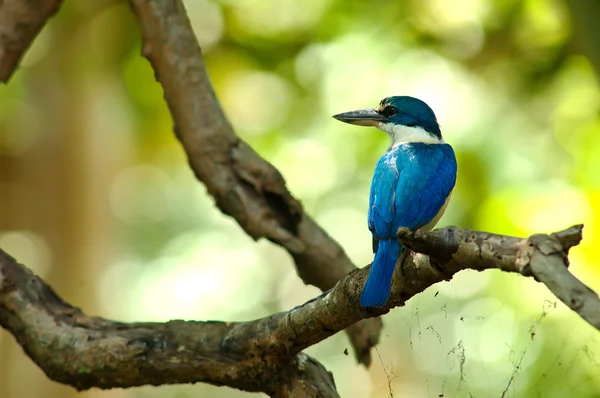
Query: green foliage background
96	196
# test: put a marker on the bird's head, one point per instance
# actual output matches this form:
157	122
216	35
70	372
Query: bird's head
403	118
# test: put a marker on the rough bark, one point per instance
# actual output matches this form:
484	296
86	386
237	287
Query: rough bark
264	354
84	351
20	22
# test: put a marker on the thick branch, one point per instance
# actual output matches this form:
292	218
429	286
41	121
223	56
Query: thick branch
445	252
244	185
20	22
265	354
82	351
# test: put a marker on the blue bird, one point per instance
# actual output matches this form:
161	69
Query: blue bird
411	186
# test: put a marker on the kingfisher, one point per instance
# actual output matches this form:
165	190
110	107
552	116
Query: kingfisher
411	185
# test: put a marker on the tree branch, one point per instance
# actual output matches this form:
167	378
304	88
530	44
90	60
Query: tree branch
445	252
264	354
244	185
542	256
84	352
20	22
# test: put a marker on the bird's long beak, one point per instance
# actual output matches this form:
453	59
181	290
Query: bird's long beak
361	117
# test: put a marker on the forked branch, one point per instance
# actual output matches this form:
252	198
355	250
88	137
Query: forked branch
264	354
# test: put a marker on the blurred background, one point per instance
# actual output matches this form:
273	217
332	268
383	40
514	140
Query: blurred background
96	196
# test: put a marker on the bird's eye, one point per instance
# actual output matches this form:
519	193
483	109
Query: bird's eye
389	111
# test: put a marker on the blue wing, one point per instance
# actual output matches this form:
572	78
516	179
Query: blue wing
410	185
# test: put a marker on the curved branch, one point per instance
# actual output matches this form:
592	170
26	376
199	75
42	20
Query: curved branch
20	22
244	185
436	257
264	354
84	351
543	257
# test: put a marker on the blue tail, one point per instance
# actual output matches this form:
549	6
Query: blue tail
377	289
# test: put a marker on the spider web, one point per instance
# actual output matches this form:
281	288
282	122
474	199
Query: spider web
484	346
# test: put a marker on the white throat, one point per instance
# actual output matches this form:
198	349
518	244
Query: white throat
401	134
